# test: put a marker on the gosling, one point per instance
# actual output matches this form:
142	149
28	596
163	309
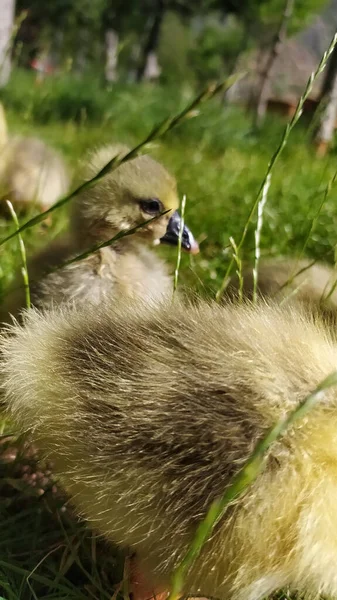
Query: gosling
311	284
31	173
134	193
147	414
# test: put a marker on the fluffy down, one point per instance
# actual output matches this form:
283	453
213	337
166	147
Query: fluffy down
147	414
32	173
128	268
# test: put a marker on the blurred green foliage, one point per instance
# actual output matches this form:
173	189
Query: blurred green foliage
197	40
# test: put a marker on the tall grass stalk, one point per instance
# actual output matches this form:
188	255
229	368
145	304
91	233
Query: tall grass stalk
313	224
238	262
110	242
289	127
92	250
158	131
61	589
180	238
326	297
24	269
241	481
292	293
260	209
126	578
334	285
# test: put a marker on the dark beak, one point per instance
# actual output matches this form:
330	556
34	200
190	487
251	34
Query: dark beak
172	235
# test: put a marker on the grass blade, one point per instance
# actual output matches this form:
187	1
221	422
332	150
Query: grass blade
238	262
182	223
92	250
313	223
158	131
24	269
110	242
289	127
260	209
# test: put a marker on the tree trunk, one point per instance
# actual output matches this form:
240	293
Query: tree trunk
81	56
229	95
279	39
149	68
330	73
328	99
152	68
134	61
6	28
111	55
56	51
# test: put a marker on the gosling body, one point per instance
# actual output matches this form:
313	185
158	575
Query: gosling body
31	173
134	193
150	412
286	279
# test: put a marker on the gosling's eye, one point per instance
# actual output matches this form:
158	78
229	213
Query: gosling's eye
152	206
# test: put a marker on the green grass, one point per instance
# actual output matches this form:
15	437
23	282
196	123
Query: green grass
45	552
219	163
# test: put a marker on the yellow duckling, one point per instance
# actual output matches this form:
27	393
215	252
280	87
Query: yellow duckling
134	193
31	173
148	412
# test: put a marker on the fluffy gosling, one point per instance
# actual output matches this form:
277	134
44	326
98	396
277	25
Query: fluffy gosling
31	173
132	194
290	279
148	413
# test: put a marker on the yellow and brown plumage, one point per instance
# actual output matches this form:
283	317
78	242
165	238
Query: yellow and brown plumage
147	412
137	191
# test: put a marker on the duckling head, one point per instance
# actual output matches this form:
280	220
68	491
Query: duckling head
139	190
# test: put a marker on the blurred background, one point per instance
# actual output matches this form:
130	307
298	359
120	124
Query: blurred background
177	43
81	73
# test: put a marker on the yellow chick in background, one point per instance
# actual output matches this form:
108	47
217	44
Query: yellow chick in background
31	173
290	280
